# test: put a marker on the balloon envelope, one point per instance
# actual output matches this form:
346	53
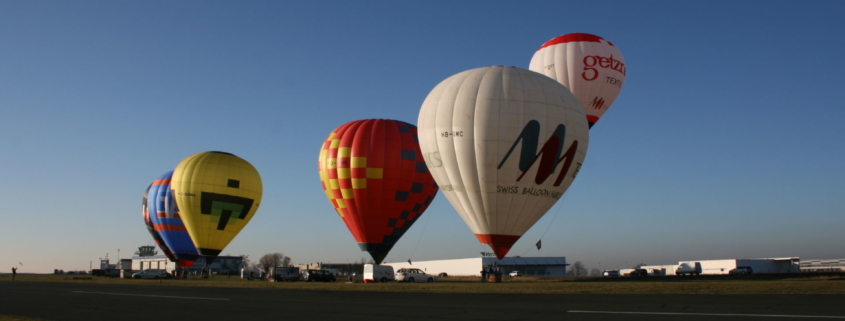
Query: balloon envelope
218	194
374	175
164	215
590	66
503	144
145	211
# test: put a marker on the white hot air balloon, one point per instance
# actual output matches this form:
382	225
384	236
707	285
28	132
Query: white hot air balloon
590	66
504	144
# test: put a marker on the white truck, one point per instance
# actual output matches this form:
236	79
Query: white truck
688	269
286	274
378	273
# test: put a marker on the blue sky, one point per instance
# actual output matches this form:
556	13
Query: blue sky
726	141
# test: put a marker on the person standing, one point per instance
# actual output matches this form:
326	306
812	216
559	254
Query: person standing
14	272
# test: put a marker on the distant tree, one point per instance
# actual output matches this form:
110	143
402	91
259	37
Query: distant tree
578	270
271	260
639	265
595	272
246	262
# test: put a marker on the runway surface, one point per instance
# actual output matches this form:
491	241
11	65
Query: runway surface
72	301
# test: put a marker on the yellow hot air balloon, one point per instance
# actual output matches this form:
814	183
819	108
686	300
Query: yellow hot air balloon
217	194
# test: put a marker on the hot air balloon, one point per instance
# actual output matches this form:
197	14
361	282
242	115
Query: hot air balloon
375	177
503	144
145	211
164	215
590	66
218	194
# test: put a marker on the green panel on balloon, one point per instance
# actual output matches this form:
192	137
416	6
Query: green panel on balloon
224	209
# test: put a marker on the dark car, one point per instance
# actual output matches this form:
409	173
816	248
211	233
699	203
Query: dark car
741	270
638	272
318	276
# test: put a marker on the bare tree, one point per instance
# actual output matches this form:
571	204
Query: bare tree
246	262
272	260
578	270
595	272
639	265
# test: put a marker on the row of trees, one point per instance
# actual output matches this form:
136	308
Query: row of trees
267	262
578	270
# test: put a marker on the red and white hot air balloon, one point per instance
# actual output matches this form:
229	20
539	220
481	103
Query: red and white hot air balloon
590	66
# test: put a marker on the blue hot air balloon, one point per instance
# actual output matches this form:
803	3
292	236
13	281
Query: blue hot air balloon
167	223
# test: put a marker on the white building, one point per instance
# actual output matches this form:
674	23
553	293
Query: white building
152	262
529	266
147	258
715	267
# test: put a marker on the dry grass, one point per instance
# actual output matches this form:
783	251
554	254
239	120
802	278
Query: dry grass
792	284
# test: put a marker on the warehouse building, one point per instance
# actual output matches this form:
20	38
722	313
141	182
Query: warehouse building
528	266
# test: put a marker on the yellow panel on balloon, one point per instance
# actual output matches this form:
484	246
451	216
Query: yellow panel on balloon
217	194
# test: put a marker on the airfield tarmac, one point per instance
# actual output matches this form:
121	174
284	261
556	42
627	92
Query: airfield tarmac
74	301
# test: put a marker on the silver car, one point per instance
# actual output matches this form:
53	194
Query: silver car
413	275
151	274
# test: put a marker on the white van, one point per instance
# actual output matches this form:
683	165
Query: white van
379	273
688	269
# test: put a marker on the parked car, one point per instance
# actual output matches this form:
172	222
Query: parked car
515	273
413	275
638	272
318	276
610	273
442	275
741	270
152	274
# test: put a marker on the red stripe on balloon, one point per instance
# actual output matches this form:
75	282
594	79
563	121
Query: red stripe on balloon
161	182
573	37
169	227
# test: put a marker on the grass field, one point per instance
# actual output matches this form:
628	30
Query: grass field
781	283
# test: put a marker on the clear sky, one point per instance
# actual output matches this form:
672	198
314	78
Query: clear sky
727	140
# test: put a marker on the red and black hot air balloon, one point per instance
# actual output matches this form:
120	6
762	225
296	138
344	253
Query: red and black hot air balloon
374	175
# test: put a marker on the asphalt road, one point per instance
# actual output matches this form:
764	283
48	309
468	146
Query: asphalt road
72	301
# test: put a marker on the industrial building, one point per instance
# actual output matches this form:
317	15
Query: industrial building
715	267
528	266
